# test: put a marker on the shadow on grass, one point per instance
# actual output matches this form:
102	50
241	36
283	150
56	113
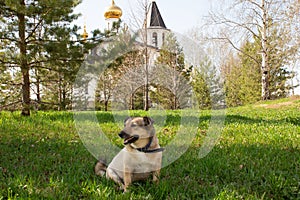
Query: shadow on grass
247	120
175	118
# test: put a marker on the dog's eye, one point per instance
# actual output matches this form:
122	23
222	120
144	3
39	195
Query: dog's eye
133	125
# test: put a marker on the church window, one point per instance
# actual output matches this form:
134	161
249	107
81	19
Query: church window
154	39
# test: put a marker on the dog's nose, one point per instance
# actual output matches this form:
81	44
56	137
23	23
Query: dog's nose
122	134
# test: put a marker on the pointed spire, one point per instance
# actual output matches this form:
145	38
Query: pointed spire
155	16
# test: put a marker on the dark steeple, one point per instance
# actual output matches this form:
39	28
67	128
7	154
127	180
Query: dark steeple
155	17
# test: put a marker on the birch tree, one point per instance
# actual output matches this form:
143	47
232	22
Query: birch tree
256	19
139	21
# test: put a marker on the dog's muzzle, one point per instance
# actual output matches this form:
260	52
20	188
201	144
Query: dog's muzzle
127	138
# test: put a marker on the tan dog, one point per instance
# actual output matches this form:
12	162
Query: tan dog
140	158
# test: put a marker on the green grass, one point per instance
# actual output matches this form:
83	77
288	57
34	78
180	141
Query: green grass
256	157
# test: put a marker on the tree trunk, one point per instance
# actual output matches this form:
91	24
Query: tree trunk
64	98
38	90
132	101
59	93
146	87
23	62
146	100
105	105
265	93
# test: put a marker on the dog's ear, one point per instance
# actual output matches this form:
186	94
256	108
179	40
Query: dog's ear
126	119
148	121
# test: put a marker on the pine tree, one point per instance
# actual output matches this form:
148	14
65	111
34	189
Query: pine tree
32	36
202	77
242	75
281	54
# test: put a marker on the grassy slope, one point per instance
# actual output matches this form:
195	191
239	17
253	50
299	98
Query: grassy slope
257	157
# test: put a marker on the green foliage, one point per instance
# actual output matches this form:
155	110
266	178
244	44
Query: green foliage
116	62
163	97
10	98
257	157
243	77
281	53
207	85
37	40
171	56
243	74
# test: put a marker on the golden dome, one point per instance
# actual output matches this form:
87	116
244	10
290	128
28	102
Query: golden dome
84	35
113	11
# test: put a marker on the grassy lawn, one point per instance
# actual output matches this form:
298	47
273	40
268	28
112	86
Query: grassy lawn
257	157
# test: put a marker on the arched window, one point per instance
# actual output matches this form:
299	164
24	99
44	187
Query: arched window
154	39
163	37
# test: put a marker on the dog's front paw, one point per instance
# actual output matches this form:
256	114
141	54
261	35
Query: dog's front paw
125	189
155	178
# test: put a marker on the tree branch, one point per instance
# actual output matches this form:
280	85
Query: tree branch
54	60
10	104
9	39
243	25
236	48
8	63
37	25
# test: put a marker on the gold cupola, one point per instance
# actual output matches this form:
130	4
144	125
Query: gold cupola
84	35
113	11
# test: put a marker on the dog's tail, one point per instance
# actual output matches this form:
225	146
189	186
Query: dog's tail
100	168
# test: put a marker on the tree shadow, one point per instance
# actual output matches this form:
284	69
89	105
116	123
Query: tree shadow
247	120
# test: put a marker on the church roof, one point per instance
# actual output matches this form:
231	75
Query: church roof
113	11
155	17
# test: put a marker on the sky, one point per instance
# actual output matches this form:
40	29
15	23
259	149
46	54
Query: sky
179	16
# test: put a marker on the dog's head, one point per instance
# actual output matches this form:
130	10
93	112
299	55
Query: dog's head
137	131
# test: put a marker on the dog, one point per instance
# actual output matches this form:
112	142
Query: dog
140	158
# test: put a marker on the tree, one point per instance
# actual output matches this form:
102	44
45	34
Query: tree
256	19
133	78
9	94
118	57
171	55
250	76
104	90
206	84
32	34
280	57
242	77
139	21
56	76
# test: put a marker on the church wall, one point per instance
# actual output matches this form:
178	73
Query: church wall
156	36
